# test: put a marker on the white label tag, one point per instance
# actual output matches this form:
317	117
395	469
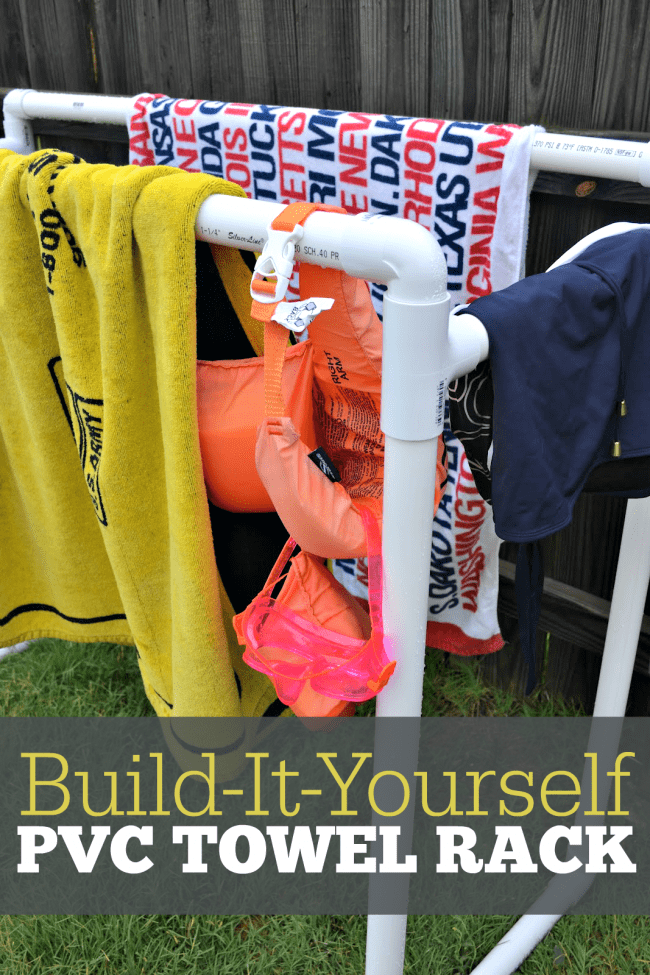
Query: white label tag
297	315
440	406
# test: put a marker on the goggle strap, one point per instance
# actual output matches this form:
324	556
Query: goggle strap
276	572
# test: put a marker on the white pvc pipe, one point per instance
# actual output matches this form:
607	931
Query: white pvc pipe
469	344
409	485
385	944
628	601
16	648
29	104
18	131
626	613
22	104
585	155
582	155
385	249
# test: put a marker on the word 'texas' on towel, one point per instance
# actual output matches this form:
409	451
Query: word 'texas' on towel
466	182
104	521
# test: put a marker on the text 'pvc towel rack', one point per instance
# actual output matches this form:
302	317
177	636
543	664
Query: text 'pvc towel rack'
406	258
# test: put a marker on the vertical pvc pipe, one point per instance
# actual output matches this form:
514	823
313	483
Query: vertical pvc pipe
416	354
409	485
19	135
626	613
386	943
414	381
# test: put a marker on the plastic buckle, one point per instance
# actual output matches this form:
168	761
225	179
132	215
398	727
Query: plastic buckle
275	261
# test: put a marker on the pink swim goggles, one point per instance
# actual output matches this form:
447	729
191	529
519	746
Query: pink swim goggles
293	651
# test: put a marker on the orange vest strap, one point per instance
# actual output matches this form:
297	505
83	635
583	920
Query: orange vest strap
275	335
275	346
297	213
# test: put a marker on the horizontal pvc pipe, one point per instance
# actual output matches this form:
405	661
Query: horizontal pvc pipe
468	344
582	155
389	250
29	104
585	155
16	648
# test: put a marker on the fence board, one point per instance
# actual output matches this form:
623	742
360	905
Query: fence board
323	75
575	615
374	57
621	97
419	54
611	190
485	56
58	45
120	54
553	62
285	58
189	50
256	56
13	53
449	29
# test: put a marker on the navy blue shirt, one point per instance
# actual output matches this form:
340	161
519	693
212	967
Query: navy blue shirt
565	348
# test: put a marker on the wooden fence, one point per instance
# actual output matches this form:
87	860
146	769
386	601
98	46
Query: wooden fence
578	66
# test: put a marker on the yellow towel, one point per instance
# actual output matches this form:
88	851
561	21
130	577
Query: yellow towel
104	524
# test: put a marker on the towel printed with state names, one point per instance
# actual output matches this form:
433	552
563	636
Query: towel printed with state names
460	180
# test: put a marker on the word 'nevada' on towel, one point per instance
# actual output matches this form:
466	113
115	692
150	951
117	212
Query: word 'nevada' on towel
466	182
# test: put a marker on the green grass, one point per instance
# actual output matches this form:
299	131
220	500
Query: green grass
54	677
453	687
292	945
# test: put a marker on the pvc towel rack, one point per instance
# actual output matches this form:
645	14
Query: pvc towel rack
416	373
